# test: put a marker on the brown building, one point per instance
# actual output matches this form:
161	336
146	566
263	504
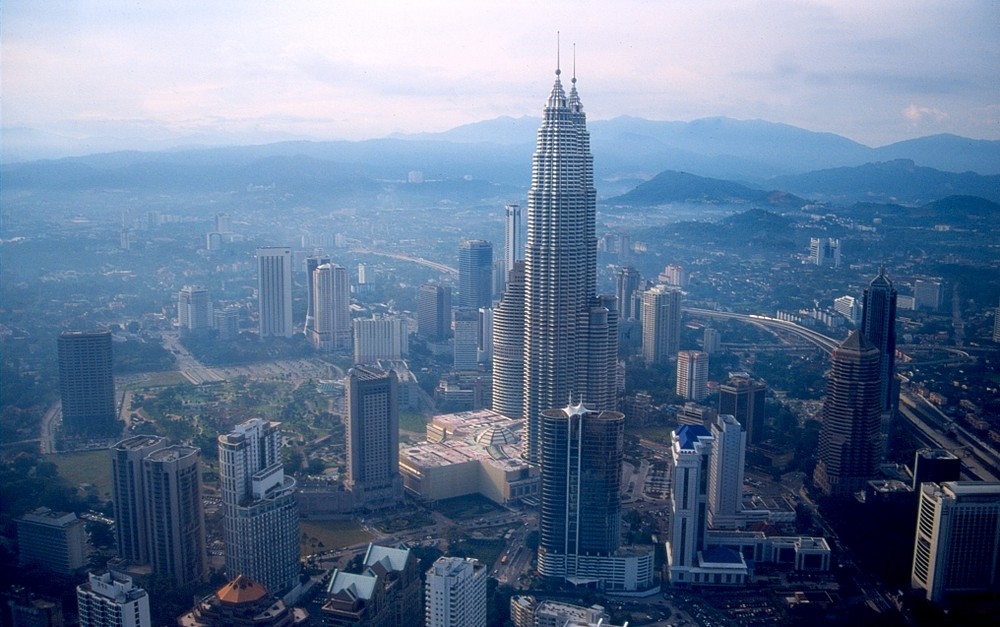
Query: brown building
242	603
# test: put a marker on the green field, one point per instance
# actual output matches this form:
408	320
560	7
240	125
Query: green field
467	507
93	467
414	423
323	535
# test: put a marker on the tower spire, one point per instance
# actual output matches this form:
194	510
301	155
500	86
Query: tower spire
558	53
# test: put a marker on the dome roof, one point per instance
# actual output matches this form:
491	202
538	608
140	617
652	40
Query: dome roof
241	590
497	436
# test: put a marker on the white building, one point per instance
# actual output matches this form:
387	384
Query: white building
112	600
194	310
56	541
692	375
957	545
849	307
455	593
661	323
331	328
260	515
377	339
725	473
274	291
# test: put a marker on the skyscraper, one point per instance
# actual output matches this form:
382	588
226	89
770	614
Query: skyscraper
691	451
626	286
661	324
725	473
570	336
376	339
466	342
331	320
580	513
996	325
128	491
513	241
849	440
508	346
174	512
274	291
957	544
87	384
112	600
312	262
475	274
434	312
878	325
692	375
194	310
455	593
260	514
744	398
373	437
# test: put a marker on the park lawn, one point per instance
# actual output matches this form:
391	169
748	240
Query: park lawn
93	467
331	534
486	551
161	379
467	507
413	423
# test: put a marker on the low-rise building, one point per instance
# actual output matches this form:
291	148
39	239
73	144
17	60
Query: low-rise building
55	541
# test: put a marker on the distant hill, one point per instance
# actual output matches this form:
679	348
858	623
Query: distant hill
670	186
955	211
898	181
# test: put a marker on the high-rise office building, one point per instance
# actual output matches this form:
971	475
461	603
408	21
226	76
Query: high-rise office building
725	473
824	251
711	340
260	514
878	325
674	275
580	513
331	320
128	493
849	307
927	294
174	513
373	437
55	541
692	375
957	545
466	343
508	346
513	239
274	291
849	440
376	339
227	322
455	593
434	312
745	398
996	325
935	465
484	335
691	450
661	324
475	274
626	286
312	262
194	310
570	336
112	600
86	383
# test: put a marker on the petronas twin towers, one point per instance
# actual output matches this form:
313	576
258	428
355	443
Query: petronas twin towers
570	335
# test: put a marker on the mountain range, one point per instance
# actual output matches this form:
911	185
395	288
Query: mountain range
636	161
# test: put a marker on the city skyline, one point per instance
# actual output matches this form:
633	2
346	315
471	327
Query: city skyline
151	74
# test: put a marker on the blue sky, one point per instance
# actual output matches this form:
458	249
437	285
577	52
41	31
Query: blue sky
874	71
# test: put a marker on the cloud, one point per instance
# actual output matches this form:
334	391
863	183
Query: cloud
916	115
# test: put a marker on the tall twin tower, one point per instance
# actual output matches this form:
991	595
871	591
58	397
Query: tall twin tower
570	335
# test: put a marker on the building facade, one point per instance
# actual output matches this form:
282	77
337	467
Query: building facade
260	514
957	545
373	437
878	325
312	262
455	593
378	339
174	513
128	493
692	375
661	324
745	398
508	346
725	473
434	312
570	336
850	443
465	347
331	320
194	309
56	541
87	384
626	288
475	274
274	291
112	600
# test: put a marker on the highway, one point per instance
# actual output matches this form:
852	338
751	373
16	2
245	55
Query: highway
427	263
934	428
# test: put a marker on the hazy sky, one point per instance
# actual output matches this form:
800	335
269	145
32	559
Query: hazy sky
876	71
